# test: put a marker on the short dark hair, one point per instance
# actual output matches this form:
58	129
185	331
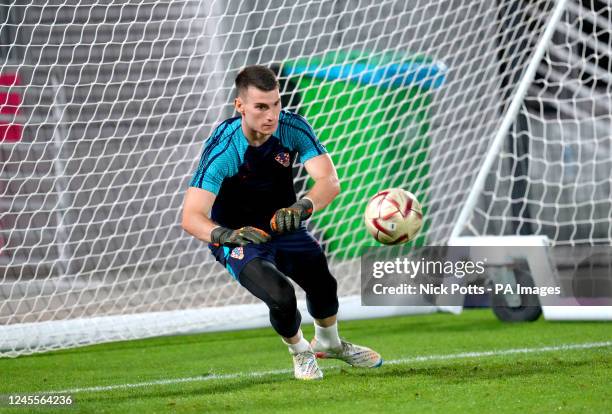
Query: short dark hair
258	76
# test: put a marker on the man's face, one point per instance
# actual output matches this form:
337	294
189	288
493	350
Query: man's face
260	110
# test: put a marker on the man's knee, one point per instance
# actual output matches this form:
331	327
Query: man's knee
282	298
280	291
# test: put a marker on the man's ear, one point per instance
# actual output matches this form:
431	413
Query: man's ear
239	105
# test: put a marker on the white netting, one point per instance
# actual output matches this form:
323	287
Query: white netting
553	176
107	105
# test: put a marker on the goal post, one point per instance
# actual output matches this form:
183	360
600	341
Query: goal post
508	119
495	114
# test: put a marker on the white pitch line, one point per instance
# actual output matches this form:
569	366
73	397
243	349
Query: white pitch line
566	347
424	358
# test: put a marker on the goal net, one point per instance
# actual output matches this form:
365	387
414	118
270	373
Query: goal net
496	114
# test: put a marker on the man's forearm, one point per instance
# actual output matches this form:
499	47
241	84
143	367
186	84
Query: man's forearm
199	226
323	192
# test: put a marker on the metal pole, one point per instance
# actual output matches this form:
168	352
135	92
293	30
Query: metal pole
513	109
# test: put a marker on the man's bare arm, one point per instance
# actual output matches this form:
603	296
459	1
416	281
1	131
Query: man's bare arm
327	186
196	211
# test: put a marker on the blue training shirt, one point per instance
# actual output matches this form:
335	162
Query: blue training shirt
251	183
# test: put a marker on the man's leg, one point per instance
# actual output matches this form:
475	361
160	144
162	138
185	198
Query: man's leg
266	282
311	272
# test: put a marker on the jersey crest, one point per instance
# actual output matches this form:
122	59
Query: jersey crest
238	253
283	159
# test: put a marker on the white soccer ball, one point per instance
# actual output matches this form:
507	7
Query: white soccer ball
393	216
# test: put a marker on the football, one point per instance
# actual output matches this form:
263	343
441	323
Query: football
393	216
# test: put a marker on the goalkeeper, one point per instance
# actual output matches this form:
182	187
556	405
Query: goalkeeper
244	183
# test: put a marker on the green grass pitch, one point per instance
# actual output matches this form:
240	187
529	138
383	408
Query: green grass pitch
434	363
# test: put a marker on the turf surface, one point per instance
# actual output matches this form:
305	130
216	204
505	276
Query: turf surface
250	371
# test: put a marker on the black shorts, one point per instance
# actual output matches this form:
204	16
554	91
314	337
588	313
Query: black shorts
285	251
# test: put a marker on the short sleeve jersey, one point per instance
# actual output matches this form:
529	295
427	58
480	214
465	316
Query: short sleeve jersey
251	183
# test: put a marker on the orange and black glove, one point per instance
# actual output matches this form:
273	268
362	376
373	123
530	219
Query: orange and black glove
241	237
288	219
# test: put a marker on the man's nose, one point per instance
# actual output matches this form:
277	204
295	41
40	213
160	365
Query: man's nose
271	115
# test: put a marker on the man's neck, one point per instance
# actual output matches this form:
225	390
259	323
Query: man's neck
255	138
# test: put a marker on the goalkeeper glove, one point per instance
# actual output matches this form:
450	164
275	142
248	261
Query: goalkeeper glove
241	237
289	218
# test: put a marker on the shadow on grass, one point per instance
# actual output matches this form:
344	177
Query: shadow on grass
476	371
451	373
